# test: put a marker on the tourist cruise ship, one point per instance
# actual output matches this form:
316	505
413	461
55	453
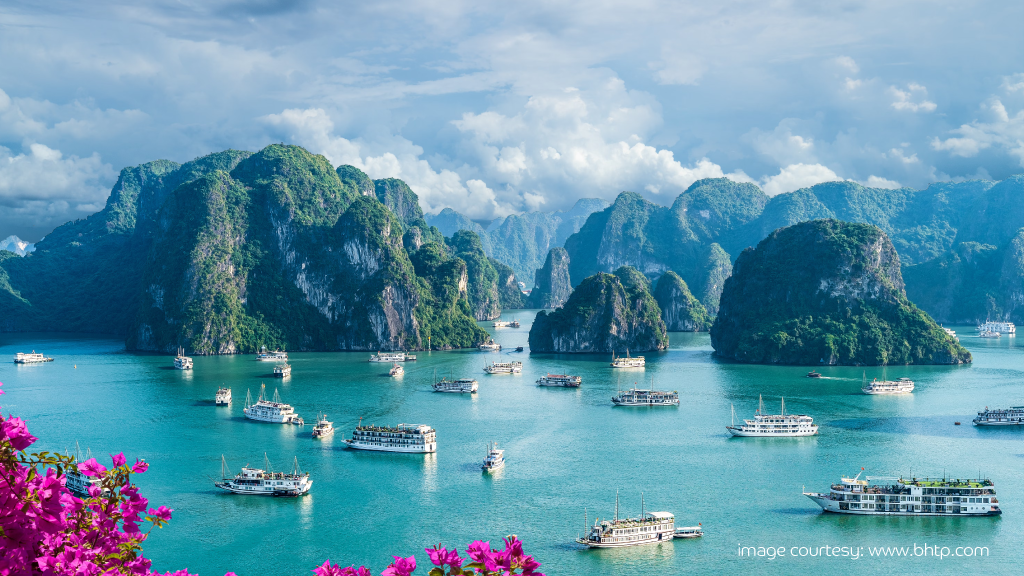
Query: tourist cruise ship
275	356
323	427
504	368
774	425
490	346
951	333
223	397
30	358
270	410
901	386
417	438
182	362
257	482
390	357
457	386
506	323
649	528
560	381
915	497
1001	417
495	459
282	371
396	370
637	397
77	482
1000	327
989	334
627	361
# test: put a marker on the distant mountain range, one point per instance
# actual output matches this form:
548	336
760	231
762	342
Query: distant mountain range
14	244
522	241
961	244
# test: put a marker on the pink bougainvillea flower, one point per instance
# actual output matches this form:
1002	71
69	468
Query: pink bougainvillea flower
231	574
400	567
139	467
118	459
163	513
92	468
441	556
479	551
353	571
17	433
327	569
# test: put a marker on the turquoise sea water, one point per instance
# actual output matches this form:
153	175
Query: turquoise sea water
567	450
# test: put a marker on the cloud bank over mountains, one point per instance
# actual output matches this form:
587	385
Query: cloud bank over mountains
494	110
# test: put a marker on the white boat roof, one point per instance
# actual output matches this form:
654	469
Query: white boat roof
661	515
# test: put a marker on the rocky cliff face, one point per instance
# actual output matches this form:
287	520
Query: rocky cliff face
606	313
679	309
551	286
826	292
483	288
510	296
234	251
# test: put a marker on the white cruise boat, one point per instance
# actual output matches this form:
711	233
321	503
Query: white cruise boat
988	334
323	427
275	356
637	397
504	368
1007	328
649	528
1000	417
689	531
30	358
560	381
506	323
490	346
282	371
223	397
273	411
260	482
951	333
391	357
77	482
914	497
396	370
901	386
774	425
456	386
417	438
182	362
628	361
495	459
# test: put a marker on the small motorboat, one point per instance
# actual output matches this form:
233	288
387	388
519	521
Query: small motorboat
813	374
519	348
689	531
396	370
956	423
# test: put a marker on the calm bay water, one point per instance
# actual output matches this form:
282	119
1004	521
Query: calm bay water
566	450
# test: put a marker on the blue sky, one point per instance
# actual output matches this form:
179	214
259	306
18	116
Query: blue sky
498	108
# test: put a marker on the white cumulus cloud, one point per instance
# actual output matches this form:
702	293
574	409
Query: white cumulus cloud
797	176
999	129
913	99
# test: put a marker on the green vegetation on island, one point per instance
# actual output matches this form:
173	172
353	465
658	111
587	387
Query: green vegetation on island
826	292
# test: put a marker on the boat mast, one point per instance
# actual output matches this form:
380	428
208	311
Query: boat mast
760	404
733	406
248	398
616	505
223	467
641	506
783	406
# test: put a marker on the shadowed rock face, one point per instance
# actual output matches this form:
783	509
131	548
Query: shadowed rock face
679	309
826	292
551	285
606	313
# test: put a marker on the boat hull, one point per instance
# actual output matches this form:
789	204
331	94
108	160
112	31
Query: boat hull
660	537
833	506
748	434
559	384
263	490
426	449
1017	423
621	403
274	420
